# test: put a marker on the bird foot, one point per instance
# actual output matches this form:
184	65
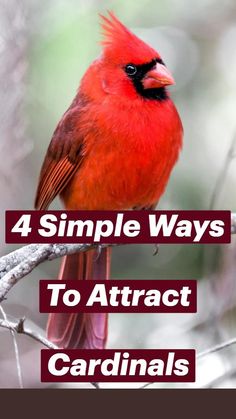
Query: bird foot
156	249
98	251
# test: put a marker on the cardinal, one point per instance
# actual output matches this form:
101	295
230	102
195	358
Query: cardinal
113	149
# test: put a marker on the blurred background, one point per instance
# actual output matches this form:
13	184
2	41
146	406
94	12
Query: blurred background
45	47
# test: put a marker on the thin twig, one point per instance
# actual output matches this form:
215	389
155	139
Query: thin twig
223	173
20	328
202	354
146	385
233	223
217	348
221	378
16	349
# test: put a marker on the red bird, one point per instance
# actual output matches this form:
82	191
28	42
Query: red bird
113	149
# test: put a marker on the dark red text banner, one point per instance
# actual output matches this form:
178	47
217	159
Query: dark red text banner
118	227
118	296
118	365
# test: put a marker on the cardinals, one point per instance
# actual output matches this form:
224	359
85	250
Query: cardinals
113	149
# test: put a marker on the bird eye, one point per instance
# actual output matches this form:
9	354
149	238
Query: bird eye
131	70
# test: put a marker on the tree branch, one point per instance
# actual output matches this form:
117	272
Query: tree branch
21	262
20	328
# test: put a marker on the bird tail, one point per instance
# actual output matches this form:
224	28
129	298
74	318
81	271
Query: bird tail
81	330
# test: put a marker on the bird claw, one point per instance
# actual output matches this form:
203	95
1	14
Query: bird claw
99	251
156	249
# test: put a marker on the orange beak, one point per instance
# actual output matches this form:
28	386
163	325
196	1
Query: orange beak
158	77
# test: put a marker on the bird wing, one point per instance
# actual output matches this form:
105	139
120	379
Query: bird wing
63	158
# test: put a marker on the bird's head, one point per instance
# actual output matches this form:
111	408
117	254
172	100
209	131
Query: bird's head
130	67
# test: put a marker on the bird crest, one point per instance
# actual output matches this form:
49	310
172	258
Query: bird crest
120	44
